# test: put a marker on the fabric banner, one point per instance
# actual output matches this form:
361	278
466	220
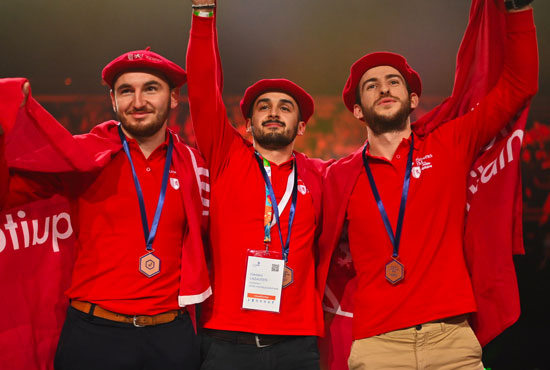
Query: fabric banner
494	220
36	257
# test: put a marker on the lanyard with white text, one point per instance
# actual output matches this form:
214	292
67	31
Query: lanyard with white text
395	271
149	263
270	198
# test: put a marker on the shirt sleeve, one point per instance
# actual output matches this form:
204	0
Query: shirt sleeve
213	131
517	84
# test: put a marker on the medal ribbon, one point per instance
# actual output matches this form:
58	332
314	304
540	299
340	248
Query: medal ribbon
149	235
394	239
271	206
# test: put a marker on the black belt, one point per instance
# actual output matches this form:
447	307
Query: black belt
239	337
448	320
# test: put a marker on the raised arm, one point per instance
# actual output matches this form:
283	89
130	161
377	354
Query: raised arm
213	131
17	186
516	85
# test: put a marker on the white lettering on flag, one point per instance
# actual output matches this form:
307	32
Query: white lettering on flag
61	229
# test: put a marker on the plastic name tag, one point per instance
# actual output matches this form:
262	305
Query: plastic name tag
263	282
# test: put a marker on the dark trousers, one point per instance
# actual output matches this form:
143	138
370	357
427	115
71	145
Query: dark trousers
296	353
89	342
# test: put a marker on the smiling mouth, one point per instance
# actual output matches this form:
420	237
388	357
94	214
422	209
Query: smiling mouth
140	114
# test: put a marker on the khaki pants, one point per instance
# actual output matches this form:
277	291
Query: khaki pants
449	344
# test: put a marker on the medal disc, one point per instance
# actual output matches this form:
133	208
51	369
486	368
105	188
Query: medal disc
395	271
149	265
288	276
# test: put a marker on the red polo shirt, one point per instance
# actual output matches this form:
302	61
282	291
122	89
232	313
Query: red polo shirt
107	224
236	225
437	283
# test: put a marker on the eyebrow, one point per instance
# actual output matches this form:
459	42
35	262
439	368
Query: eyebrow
387	77
148	83
268	100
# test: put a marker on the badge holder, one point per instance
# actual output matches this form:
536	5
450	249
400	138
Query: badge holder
263	283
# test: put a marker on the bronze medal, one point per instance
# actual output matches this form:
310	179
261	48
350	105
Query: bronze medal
395	271
288	276
149	265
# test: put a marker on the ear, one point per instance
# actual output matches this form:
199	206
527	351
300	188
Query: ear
113	101
174	97
248	125
358	112
301	128
414	100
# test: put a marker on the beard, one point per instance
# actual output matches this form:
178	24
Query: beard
273	140
141	129
381	124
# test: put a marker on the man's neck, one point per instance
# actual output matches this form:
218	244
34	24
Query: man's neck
385	145
149	143
276	156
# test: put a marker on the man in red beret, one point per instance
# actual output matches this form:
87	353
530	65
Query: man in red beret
135	192
403	198
265	312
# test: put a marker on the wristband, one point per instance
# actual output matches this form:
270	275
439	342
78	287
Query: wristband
202	6
203	14
516	4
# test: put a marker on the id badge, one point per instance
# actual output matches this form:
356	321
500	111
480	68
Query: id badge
263	282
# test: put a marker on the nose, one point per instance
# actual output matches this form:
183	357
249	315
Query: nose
139	101
384	89
273	112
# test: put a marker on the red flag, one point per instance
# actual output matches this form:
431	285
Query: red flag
36	258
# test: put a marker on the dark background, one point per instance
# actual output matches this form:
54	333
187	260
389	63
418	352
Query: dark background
312	42
62	46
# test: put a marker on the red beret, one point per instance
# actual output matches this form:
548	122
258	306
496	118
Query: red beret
143	59
304	100
372	60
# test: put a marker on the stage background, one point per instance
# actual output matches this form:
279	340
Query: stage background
61	46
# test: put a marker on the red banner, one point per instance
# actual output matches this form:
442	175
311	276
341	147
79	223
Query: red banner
36	258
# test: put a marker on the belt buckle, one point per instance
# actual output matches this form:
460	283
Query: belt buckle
136	324
258	344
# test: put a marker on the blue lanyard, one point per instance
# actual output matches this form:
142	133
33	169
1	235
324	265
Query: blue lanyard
394	239
292	211
149	235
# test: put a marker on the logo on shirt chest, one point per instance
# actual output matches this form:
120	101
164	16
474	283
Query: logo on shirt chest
302	187
174	182
421	164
